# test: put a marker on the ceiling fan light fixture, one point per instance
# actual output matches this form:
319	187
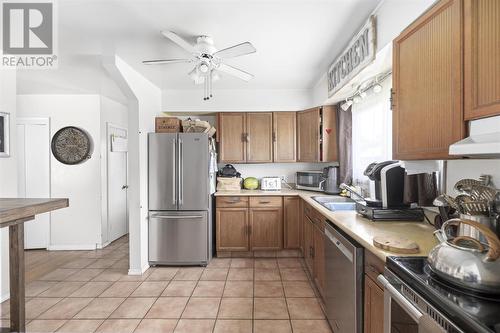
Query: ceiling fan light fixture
377	88
207	60
204	68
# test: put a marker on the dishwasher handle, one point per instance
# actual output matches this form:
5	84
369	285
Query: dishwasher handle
343	249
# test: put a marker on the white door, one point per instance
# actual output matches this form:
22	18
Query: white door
117	182
33	140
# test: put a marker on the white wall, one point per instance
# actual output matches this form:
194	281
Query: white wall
8	171
78	226
467	168
144	104
117	114
276	169
392	17
236	100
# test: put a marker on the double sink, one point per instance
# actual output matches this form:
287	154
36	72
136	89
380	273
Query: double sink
335	202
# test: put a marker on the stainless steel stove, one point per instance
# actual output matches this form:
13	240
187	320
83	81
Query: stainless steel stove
413	291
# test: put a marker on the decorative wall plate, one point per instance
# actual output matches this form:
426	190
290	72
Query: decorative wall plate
71	145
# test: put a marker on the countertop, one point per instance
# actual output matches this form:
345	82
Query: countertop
359	228
12	209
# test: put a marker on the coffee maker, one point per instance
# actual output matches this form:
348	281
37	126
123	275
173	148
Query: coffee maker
330	182
388	177
388	204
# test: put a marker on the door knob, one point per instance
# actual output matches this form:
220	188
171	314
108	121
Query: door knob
124	187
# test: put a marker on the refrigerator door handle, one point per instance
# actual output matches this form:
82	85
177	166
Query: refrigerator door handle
174	190
181	173
176	217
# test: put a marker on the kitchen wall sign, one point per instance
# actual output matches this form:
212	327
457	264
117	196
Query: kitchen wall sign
71	145
359	54
4	134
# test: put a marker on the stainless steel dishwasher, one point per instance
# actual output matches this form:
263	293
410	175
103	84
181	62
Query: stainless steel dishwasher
344	277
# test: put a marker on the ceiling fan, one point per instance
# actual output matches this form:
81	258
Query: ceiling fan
207	59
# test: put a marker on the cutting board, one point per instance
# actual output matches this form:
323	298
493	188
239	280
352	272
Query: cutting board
396	244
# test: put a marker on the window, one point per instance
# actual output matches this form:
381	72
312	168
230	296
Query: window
371	132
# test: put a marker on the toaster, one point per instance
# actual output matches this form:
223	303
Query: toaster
270	184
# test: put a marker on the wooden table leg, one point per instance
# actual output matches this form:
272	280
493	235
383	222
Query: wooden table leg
16	262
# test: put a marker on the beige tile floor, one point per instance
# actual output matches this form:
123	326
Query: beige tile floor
93	293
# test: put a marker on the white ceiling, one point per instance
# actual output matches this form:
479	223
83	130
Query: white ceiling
295	40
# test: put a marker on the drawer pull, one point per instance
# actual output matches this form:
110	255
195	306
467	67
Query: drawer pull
232	201
264	202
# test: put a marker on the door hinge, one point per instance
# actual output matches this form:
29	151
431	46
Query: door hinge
392	98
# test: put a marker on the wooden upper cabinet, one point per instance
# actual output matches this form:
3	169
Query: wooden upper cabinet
427	84
317	135
308	123
284	136
232	147
259	133
329	136
481	58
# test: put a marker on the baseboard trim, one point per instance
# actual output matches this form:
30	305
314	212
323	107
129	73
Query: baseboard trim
102	246
80	247
134	271
4	297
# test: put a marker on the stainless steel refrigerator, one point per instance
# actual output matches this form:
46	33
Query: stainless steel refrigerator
180	223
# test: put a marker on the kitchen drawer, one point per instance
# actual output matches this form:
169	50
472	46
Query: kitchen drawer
259	202
373	266
232	202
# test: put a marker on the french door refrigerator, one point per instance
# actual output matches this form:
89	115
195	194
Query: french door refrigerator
179	228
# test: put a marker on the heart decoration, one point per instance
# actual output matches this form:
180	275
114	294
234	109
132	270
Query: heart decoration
328	130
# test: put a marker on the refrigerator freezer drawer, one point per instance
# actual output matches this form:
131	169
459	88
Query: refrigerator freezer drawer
178	238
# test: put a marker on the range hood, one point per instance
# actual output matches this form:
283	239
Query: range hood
483	139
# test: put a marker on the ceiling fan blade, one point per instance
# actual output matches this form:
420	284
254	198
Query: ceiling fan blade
166	61
235	72
179	41
236	50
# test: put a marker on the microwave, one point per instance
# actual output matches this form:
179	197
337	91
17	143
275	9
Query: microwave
310	180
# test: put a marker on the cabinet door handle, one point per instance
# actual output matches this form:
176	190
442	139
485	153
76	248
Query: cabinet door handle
274	136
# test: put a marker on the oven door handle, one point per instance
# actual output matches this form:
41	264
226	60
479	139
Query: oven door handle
391	293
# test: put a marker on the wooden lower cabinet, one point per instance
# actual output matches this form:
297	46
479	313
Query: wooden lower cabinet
314	248
291	219
319	259
266	228
232	229
373	307
249	224
308	243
